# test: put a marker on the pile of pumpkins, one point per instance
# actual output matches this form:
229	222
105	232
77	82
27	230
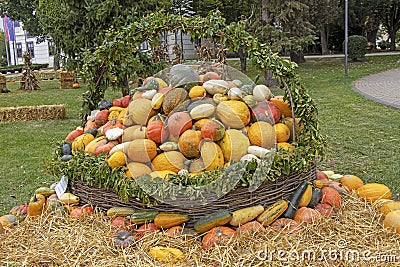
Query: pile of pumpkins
191	126
310	202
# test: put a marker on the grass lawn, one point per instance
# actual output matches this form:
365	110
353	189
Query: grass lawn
363	136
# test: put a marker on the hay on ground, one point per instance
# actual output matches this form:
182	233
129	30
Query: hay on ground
354	236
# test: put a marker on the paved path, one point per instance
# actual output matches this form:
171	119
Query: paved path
382	87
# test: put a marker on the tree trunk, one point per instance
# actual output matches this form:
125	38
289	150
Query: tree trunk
392	37
297	57
371	37
269	80
324	40
243	60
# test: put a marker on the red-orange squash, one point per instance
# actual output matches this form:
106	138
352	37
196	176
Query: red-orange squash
211	75
104	148
213	130
251	228
332	197
217	236
306	215
283	106
74	134
101	118
157	132
179	122
325	209
286	225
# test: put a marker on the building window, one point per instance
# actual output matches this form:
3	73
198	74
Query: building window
19	49
31	49
52	48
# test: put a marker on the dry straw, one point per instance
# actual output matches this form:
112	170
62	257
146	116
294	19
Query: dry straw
33	113
354	236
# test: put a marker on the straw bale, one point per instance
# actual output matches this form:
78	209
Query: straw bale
354	236
3	78
32	113
67	79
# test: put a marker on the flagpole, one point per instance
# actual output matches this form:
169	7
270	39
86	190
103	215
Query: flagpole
14	44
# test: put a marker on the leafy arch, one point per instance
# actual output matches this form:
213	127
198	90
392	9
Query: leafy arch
117	60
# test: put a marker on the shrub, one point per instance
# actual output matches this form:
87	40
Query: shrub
357	47
384	44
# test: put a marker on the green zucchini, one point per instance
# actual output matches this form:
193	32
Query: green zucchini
212	220
143	216
295	200
315	197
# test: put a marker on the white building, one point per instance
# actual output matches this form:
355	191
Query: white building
42	53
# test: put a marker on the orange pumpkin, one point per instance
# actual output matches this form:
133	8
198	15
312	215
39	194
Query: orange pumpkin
211	75
75	85
332	197
217	236
89	125
74	134
174	231
157	132
189	143
286	225
306	215
352	182
251	228
104	147
111	125
179	122
213	130
101	118
324	209
262	134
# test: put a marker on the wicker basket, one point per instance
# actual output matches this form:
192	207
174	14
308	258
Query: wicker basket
266	194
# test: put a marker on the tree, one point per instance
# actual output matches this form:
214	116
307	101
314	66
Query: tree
389	13
3	50
75	26
323	14
287	27
24	10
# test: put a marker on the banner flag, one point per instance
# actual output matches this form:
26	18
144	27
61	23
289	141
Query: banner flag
9	29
